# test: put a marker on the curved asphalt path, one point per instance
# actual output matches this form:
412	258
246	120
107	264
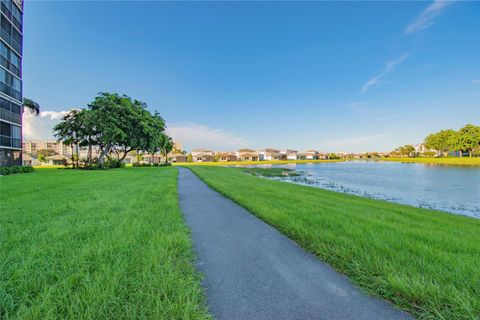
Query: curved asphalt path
254	272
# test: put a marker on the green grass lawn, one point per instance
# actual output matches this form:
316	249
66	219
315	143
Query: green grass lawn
425	261
96	245
457	161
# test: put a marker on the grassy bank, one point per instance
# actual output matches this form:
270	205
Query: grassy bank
95	245
248	163
464	161
424	261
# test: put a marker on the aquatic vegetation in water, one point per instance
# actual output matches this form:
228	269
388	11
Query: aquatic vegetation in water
272	172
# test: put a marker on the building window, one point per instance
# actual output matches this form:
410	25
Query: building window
16	108
5	129
16	132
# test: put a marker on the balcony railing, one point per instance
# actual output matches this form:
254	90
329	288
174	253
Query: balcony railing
10	116
6	141
11	41
10	66
10	92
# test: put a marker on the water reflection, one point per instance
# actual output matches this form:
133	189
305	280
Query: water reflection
453	189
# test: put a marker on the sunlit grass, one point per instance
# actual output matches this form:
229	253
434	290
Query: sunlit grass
425	261
463	161
95	245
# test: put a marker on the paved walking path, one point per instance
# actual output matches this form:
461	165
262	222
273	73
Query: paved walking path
254	272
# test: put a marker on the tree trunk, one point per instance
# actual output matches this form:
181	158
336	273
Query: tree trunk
103	153
73	159
125	152
78	156
470	152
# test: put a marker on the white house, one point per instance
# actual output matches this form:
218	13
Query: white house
289	154
247	155
270	154
311	154
202	155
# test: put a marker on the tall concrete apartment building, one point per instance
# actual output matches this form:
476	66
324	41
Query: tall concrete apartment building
11	43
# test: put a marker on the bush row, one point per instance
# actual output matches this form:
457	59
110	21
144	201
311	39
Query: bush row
165	164
5	171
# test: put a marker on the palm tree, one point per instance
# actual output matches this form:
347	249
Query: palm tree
31	105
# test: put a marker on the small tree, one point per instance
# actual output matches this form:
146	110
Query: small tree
31	105
189	158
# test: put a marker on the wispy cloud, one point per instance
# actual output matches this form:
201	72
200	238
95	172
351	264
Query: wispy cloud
389	68
426	18
476	81
354	141
194	135
40	127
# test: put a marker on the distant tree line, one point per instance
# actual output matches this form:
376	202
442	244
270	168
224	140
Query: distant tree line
115	125
465	140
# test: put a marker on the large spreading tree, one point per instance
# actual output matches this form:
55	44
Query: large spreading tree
116	125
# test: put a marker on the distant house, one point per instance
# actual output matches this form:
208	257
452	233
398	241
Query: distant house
301	156
28	160
322	155
311	155
247	155
202	155
55	160
289	154
151	158
271	154
177	157
420	148
226	156
129	159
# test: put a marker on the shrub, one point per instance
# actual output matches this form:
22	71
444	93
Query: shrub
164	164
114	163
5	171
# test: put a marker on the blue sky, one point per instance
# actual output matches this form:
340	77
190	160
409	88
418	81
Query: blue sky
333	76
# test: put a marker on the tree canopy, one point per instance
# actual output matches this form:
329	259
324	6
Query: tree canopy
116	125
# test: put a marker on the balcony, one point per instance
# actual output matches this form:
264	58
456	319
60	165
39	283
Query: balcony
6	141
10	116
10	92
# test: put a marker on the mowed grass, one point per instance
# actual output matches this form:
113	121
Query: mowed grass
457	161
425	261
96	245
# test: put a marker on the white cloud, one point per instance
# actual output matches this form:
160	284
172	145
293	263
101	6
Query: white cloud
193	135
190	135
476	81
389	68
426	18
40	127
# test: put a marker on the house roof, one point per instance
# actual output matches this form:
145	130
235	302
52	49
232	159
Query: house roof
249	155
56	157
203	154
246	150
226	154
201	150
176	155
311	151
270	150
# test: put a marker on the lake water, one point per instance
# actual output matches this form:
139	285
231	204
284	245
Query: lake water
453	189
